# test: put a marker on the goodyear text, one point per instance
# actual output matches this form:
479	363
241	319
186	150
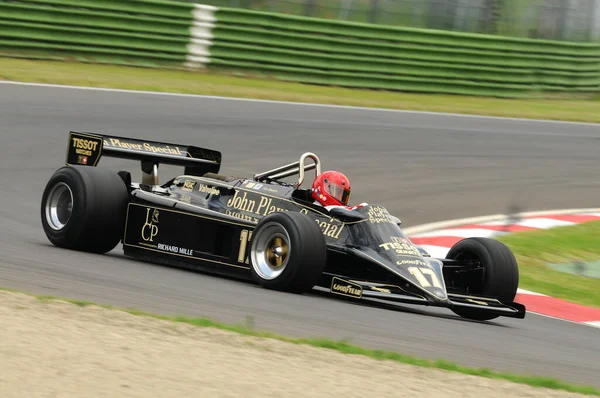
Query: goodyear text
345	288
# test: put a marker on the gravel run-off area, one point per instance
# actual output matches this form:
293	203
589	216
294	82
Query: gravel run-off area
58	349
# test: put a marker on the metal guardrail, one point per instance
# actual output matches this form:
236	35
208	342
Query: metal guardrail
107	31
569	20
340	53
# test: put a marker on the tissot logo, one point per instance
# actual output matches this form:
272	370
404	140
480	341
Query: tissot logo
84	147
82	143
401	246
150	229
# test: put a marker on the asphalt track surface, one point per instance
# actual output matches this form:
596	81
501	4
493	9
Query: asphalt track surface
423	167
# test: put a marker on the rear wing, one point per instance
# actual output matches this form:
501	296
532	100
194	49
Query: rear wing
87	149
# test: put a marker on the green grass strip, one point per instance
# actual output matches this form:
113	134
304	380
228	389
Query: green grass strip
247	85
533	249
341	346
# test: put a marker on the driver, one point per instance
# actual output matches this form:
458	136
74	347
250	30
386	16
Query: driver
332	189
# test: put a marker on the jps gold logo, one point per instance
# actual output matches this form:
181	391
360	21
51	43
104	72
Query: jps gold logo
189	185
150	229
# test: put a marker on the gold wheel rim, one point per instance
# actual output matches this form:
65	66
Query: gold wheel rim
277	252
270	251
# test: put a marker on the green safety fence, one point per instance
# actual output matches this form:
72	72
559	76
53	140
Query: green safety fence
144	33
350	54
162	33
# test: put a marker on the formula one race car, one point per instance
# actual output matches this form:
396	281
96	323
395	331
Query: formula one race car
263	229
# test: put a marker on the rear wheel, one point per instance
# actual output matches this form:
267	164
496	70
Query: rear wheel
83	208
287	252
494	273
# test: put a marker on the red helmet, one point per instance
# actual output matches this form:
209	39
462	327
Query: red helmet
331	188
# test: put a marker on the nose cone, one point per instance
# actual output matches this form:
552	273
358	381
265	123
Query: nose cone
381	239
405	259
424	273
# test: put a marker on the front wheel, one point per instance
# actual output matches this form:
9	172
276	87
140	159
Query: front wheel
495	273
287	252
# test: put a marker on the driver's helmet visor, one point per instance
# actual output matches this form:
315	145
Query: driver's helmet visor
338	192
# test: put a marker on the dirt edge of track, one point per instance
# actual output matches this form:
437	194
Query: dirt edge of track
74	351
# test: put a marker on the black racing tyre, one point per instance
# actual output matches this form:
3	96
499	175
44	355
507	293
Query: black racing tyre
499	278
287	252
84	208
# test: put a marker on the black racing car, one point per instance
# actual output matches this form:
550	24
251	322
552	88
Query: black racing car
264	229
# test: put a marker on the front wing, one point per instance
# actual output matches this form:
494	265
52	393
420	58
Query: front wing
356	289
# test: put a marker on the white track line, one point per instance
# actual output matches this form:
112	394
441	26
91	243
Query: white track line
419	229
586	324
544	223
527	292
294	103
461	233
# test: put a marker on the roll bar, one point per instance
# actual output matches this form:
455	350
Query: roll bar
292	169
